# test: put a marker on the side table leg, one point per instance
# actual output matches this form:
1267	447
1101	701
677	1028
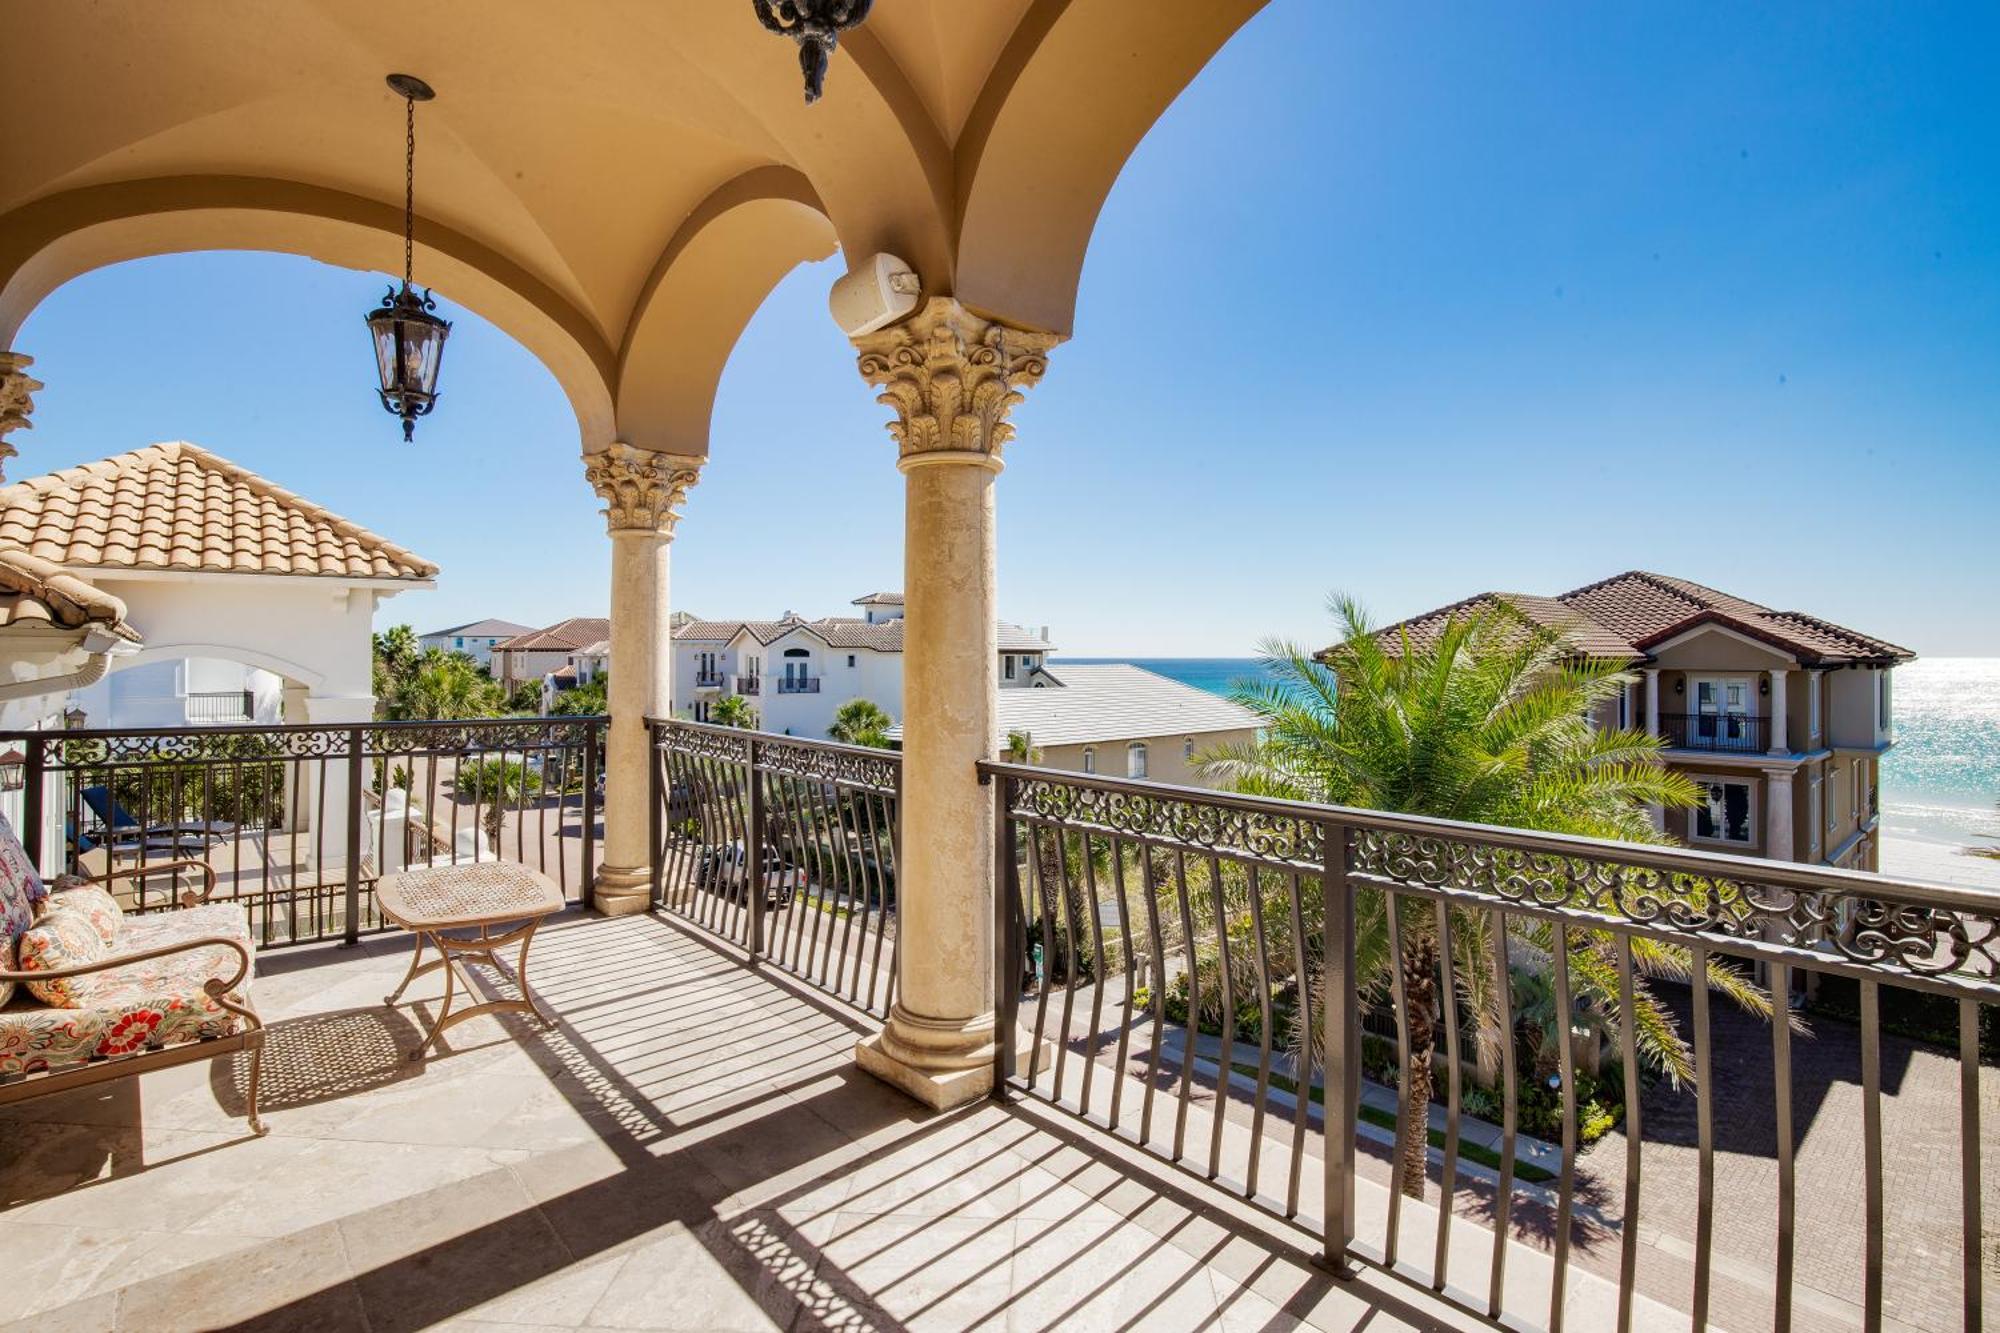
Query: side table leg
444	1009
409	976
521	975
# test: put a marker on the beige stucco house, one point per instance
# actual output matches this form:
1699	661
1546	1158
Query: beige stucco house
1780	717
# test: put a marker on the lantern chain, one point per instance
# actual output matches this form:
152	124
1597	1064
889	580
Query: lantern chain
409	188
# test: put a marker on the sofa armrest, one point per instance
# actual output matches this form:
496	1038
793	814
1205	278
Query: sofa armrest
140	872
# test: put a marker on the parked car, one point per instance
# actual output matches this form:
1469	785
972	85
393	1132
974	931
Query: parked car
724	870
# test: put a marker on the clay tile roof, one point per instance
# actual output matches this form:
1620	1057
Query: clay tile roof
565	636
843	632
35	593
1625	616
879	599
175	506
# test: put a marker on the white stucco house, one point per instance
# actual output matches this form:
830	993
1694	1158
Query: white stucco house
476	639
797	673
251	603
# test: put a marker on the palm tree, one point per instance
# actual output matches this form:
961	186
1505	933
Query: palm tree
1486	722
443	687
860	722
733	710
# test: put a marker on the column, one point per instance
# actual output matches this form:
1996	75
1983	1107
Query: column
642	492
17	399
1779	740
952	377
1778	836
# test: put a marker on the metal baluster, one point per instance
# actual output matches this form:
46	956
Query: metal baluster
850	876
755	850
1566	1186
1070	936
1781	1074
1399	997
1342	1058
1871	1151
1628	1047
1097	974
1448	1178
1968	1153
1042	913
1006	961
1131	974
1261	1102
1194	1004
352	933
1704	1210
1503	1198
1228	987
1159	989
1301	1070
879	907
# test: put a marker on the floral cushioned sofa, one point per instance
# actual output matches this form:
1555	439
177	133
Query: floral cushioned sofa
88	993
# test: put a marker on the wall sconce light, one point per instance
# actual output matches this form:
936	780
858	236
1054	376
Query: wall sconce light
13	770
1680	685
74	718
1764	685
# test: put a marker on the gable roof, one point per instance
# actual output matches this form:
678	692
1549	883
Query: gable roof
565	636
843	632
879	599
482	629
178	507
1627	615
35	594
1089	705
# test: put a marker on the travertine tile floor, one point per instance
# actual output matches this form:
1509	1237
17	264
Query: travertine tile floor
689	1147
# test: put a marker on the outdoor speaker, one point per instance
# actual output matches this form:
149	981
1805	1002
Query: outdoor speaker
875	293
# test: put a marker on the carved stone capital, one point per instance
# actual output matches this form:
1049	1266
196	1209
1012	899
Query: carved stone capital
642	490
952	378
17	399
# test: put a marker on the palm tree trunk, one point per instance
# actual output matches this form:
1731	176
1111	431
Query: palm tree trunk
1419	963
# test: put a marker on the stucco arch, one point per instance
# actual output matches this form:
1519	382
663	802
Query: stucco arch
295	672
1069	97
714	273
52	240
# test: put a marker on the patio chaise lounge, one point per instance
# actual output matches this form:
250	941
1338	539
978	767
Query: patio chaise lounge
120	827
89	994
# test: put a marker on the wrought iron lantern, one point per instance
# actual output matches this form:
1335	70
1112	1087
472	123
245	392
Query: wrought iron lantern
13	769
816	26
408	336
74	718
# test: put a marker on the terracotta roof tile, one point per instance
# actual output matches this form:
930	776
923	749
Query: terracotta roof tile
175	506
565	636
36	592
1627	614
844	632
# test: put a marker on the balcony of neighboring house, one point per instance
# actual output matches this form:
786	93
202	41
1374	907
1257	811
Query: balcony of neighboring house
798	684
710	680
750	685
214	706
1740	733
688	1131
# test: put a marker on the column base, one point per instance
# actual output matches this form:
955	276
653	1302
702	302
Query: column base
939	1089
622	890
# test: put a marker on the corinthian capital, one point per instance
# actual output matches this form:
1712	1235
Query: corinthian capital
642	490
17	390
952	377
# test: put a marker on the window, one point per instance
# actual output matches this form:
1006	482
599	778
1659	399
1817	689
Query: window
1832	801
1724	814
1089	759
1862	796
1007	666
850	661
1135	760
458	643
1187	749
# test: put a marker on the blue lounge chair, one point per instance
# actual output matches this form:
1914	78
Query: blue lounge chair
119	828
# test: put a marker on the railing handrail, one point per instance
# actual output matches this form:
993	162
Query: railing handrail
1720	865
759	734
266	728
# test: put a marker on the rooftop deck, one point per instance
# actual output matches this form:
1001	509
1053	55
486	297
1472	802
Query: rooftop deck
689	1146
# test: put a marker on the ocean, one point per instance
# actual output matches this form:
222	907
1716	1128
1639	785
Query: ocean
1940	784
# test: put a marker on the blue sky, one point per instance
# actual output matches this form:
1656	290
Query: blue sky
1410	301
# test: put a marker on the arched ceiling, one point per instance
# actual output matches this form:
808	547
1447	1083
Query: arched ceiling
617	185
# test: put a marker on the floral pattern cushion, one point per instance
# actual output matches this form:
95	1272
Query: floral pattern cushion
97	906
61	939
160	1002
20	887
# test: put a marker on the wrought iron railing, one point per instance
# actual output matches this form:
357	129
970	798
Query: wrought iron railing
784	847
1183	969
749	684
798	684
708	680
221	706
298	821
1738	732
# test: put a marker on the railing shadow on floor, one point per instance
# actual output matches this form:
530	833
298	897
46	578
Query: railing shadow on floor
692	1192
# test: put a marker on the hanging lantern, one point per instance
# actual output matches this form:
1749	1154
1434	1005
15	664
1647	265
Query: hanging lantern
408	337
816	26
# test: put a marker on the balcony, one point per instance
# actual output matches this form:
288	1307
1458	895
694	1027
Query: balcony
691	1135
750	685
709	680
213	706
798	684
1736	733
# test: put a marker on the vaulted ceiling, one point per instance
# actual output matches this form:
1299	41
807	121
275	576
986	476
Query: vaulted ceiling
618	184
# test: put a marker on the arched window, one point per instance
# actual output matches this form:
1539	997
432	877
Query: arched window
1135	760
1089	759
